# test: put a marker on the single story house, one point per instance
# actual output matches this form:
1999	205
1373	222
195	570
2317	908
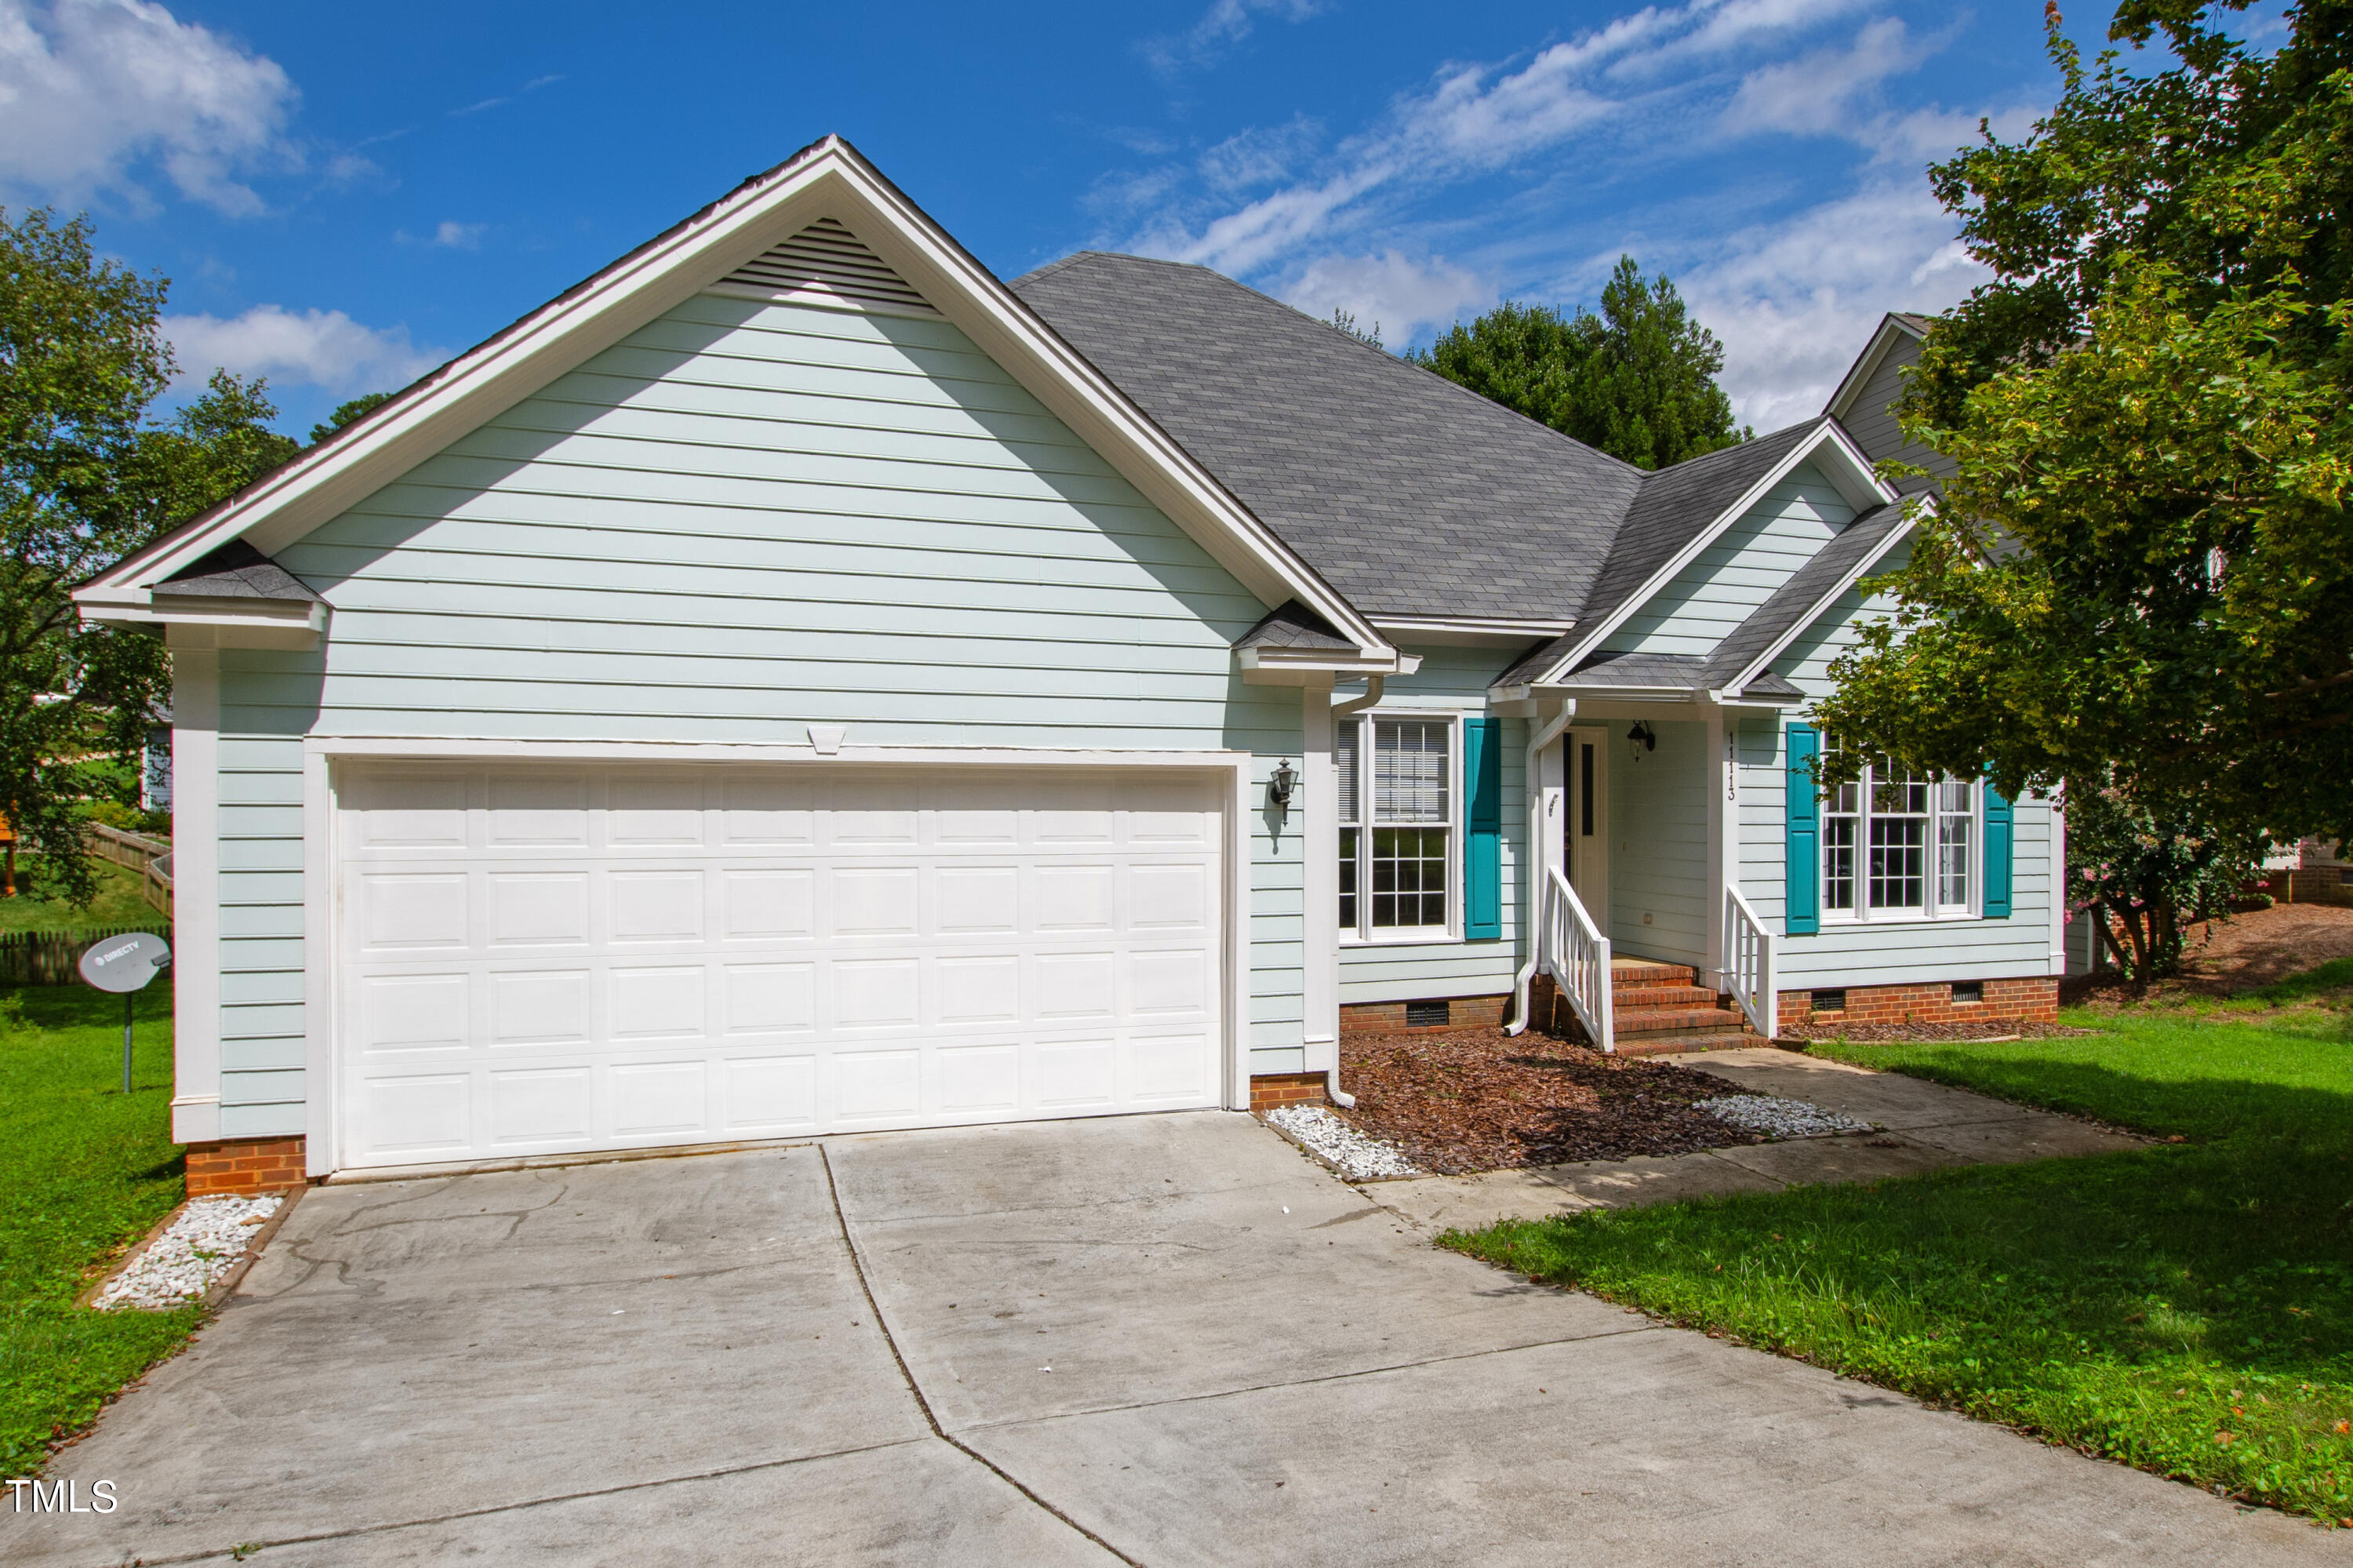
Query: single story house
795	681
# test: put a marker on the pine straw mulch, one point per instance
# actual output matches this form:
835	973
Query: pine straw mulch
2229	957
1479	1100
1890	1033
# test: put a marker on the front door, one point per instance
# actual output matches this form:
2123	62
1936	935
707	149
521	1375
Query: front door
1585	827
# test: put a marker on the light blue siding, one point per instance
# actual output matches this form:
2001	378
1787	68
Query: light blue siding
1452	681
744	518
1893	951
1729	579
1658	825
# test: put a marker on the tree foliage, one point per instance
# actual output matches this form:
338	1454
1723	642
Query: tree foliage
1638	380
85	478
2150	398
369	402
2148	866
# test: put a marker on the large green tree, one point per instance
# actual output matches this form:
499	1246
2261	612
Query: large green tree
1637	380
87	476
2150	398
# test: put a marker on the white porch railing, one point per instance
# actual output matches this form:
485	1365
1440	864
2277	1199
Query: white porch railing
1750	971
1576	955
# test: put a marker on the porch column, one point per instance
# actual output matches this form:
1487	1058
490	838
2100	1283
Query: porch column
196	886
1722	834
1315	819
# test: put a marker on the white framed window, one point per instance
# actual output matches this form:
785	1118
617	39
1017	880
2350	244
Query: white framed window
1898	845
1400	843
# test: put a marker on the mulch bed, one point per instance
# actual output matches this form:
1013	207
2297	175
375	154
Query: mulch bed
1479	1100
2227	958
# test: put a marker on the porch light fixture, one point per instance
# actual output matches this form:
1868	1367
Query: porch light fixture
1640	739
1278	788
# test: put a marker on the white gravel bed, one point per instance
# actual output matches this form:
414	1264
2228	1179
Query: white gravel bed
1360	1159
1778	1117
185	1261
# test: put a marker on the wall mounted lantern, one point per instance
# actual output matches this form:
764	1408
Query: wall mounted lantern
1640	739
1283	785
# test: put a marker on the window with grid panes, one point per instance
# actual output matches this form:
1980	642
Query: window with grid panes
1898	845
1396	835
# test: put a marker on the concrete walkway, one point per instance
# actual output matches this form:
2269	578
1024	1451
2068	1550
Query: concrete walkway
1922	1126
1162	1339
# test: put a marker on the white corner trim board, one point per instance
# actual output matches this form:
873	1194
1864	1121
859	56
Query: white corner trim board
902	936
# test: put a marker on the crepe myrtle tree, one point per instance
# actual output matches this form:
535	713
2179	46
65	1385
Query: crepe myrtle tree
2146	871
2141	575
1637	380
86	477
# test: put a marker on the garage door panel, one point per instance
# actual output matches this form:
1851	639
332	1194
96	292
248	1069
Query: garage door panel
541	1007
542	1106
767	904
537	909
580	956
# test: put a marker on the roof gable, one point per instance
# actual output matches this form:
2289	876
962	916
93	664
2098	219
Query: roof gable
741	235
1897	327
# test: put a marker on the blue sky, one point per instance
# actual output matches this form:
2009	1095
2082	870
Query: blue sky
343	195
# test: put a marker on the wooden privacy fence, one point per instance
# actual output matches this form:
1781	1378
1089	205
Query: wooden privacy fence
151	858
50	958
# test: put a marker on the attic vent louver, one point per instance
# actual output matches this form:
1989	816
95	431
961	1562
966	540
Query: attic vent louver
825	264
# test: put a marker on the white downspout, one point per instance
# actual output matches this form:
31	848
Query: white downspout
1532	905
1349	709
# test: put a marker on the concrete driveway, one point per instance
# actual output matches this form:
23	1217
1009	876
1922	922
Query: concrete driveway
1162	1339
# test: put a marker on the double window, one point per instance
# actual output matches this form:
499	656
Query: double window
1397	825
1897	844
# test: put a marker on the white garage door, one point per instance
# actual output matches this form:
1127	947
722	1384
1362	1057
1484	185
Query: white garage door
548	959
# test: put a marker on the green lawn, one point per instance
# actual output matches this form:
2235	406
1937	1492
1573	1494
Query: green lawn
83	1169
2186	1307
121	900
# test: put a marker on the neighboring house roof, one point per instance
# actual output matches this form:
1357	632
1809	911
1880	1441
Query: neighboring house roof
1739	660
1413	495
237	570
1893	327
828	179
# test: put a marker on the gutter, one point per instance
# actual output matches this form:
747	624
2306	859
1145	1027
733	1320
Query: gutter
1349	709
1531	906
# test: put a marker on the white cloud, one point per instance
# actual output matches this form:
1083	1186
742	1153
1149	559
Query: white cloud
1225	24
325	349
1794	302
91	90
460	235
1819	92
1400	295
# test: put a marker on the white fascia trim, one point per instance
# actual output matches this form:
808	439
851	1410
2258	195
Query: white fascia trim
1862	570
830	178
161	607
1862	490
1866	364
1467	630
397	747
1325	661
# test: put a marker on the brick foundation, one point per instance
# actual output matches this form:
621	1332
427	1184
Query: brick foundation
2034	1000
245	1165
1389	1017
1268	1090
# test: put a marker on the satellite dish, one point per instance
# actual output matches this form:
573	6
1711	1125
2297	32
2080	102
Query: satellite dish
125	963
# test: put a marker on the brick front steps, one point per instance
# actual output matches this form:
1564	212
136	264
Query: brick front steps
1663	1010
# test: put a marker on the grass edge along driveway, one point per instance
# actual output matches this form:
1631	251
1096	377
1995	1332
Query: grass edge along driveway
2186	1307
84	1171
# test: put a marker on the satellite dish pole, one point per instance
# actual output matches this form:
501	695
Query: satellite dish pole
125	964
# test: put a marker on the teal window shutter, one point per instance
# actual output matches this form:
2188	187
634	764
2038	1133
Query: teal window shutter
1998	836
1483	853
1801	906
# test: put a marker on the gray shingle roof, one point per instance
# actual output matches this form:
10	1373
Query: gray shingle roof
1800	598
1411	495
237	570
1659	671
1675	506
1292	625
